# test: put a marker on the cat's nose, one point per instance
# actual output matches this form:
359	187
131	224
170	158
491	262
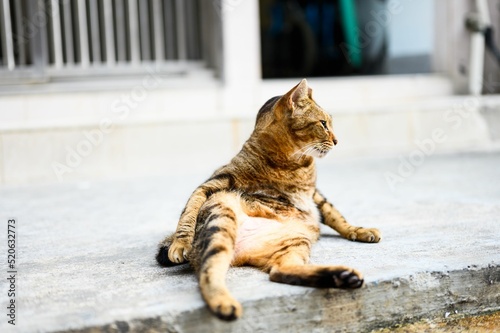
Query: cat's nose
333	138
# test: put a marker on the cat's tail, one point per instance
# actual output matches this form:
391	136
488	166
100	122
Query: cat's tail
162	254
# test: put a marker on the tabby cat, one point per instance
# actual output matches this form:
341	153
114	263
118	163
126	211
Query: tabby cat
263	209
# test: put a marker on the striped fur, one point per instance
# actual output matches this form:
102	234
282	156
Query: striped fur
263	209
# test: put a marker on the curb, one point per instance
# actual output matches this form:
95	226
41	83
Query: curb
379	304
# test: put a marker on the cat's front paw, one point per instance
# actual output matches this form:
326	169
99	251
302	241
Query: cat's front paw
179	251
225	307
365	235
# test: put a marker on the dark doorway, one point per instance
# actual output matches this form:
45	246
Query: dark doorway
317	38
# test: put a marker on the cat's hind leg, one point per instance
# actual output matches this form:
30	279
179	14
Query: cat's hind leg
213	251
291	268
180	244
162	254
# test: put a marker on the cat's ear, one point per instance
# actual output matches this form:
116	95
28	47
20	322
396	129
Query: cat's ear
299	92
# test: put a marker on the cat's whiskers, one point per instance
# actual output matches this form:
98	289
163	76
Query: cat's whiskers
304	150
308	149
324	148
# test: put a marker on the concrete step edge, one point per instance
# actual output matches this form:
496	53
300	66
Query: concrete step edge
470	290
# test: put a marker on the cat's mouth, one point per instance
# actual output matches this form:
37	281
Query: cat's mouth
321	153
322	149
318	149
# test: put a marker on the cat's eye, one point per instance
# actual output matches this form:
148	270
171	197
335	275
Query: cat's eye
324	124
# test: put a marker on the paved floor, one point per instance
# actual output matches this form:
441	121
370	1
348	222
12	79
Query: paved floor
85	252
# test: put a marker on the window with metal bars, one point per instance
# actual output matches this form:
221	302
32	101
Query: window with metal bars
51	38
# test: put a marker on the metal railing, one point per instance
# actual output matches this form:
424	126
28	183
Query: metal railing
45	39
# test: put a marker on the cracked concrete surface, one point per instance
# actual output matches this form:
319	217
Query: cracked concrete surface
86	253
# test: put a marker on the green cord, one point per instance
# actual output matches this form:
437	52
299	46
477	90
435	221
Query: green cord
350	25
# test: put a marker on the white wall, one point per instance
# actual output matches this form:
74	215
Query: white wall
199	122
411	31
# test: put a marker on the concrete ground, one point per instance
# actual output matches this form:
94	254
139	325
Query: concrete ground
452	323
85	252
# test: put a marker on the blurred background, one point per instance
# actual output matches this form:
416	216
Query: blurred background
107	89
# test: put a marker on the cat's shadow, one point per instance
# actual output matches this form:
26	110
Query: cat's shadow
179	270
330	236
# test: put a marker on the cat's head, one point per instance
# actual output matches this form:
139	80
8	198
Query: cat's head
303	121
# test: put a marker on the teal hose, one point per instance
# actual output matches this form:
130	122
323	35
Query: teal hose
351	33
